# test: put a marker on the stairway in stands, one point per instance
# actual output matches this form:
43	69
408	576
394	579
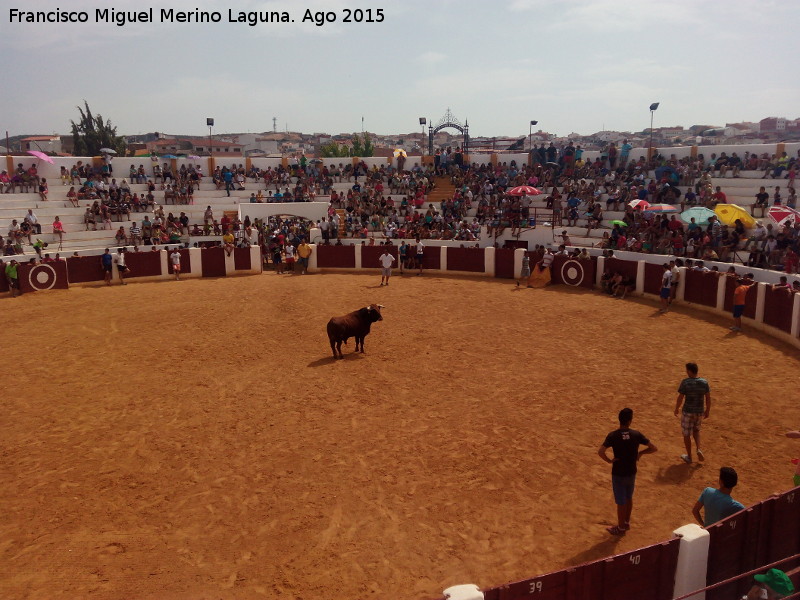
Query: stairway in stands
444	190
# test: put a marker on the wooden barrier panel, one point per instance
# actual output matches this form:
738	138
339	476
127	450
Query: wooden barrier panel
552	586
186	261
83	269
336	257
432	257
241	259
213	261
780	531
44	276
466	259
143	264
3	282
732	550
629	268
574	272
652	278
371	254
644	574
504	263
700	287
778	306
750	300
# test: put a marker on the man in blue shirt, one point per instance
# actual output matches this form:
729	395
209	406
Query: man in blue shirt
624	153
106	261
717	502
228	177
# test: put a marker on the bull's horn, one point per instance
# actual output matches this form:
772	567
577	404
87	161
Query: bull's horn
381	306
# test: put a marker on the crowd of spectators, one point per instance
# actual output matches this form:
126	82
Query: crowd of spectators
392	202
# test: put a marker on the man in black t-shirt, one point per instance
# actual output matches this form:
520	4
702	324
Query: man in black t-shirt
625	442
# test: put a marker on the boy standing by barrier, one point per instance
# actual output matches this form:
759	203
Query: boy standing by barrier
695	395
625	442
739	299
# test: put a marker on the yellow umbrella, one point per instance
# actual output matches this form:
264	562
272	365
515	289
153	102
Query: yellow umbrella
400	152
728	213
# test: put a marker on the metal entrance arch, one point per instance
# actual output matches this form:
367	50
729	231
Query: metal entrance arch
448	120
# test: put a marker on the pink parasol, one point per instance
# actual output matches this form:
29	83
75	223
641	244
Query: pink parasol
41	156
523	190
640	204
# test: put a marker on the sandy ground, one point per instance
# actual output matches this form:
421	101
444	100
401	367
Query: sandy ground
197	440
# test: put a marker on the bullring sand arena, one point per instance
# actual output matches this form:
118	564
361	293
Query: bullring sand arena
197	440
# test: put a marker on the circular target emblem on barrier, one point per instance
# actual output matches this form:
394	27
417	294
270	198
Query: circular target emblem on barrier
572	273
42	277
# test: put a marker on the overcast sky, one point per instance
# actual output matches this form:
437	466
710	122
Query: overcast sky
572	65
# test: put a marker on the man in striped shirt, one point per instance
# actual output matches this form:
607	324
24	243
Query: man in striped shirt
135	234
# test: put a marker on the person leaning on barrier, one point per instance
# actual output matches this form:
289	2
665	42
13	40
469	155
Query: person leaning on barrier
772	585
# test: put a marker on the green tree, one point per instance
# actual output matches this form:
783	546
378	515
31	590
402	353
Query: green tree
91	133
332	150
362	146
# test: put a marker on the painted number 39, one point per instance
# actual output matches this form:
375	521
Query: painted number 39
536	586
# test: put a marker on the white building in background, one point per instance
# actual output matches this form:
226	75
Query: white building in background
255	143
41	143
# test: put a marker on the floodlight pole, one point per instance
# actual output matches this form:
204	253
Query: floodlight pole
653	108
530	135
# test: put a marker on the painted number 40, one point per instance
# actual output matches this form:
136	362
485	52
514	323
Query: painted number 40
635	558
536	586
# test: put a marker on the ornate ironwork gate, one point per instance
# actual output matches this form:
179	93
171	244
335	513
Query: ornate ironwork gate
448	120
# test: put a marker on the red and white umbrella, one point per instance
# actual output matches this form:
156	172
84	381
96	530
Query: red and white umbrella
523	190
661	208
782	214
41	156
640	204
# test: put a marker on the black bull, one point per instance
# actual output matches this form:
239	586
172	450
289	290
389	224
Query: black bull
355	324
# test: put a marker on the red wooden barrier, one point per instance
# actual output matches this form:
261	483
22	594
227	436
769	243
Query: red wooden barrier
213	262
432	257
574	272
644	574
3	283
143	264
336	257
732	550
371	254
504	263
466	259
778	308
241	259
780	535
83	269
701	287
652	278
750	300
45	276
186	261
